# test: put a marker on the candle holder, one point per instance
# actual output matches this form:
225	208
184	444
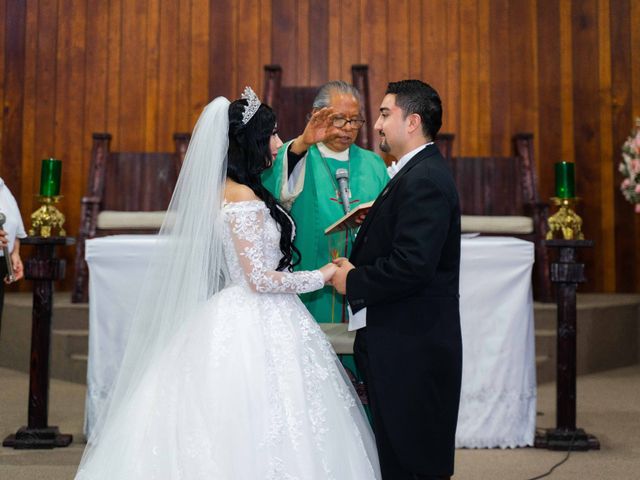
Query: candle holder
46	219
565	222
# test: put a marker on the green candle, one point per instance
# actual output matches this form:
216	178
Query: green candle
565	180
50	177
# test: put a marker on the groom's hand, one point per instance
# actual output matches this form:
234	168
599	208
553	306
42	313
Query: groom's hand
339	280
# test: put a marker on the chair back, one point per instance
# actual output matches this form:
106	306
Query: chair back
498	185
508	186
292	103
138	181
123	182
489	185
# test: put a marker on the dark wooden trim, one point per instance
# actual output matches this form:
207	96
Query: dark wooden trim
360	77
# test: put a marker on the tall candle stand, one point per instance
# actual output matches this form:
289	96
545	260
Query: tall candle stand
44	268
566	274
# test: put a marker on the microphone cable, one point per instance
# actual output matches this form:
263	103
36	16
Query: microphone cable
566	457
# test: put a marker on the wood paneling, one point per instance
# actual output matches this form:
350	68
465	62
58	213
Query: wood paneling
12	93
569	72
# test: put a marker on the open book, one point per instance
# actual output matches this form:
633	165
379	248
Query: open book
349	220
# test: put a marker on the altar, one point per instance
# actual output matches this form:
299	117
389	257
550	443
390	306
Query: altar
498	401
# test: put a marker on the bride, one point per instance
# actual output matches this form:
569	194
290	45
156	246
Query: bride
226	375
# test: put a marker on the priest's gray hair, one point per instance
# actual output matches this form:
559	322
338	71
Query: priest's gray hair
323	96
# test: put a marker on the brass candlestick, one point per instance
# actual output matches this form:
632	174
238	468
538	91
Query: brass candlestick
47	218
565	221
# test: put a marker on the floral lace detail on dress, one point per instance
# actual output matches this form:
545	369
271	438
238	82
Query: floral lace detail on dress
252	244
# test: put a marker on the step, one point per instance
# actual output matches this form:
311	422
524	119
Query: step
72	340
66	315
546	342
68	347
545	369
75	370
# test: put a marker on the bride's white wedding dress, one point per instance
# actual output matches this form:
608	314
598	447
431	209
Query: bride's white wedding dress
249	389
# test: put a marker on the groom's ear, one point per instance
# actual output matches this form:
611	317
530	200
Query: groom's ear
414	122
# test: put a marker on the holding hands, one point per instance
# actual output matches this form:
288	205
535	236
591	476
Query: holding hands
339	280
327	272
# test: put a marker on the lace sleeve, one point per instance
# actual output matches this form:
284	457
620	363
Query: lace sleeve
248	234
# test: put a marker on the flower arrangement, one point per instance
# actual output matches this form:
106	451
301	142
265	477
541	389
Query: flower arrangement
630	168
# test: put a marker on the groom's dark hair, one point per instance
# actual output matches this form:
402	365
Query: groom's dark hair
415	96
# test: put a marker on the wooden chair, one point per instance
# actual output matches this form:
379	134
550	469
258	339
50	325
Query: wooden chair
293	103
499	196
127	192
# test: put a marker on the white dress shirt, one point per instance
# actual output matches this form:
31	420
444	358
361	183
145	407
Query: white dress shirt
13	225
359	320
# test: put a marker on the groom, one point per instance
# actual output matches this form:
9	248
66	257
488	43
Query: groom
402	287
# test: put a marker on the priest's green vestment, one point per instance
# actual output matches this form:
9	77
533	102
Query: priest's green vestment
317	206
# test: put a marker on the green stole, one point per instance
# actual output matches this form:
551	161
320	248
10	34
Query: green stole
318	206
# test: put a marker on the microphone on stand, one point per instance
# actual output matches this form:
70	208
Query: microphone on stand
5	251
342	176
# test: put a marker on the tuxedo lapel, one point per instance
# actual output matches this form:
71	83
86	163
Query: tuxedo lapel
417	158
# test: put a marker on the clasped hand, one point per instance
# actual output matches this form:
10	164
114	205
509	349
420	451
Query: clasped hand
335	274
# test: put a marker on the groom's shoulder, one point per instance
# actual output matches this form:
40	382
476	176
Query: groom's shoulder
433	170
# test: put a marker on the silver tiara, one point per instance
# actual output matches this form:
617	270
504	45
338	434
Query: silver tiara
253	104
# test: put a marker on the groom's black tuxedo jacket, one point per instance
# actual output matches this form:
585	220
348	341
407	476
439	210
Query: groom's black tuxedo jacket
407	258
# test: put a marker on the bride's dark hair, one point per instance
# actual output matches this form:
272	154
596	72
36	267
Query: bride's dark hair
249	155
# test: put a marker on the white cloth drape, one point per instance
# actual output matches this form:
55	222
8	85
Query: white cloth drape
498	402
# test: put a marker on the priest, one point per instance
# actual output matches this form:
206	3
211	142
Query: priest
303	179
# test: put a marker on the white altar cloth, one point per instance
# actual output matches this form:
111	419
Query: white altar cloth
498	401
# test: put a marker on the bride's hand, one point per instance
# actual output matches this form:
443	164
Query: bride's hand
327	272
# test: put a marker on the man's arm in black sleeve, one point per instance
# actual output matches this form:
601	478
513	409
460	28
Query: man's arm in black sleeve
293	159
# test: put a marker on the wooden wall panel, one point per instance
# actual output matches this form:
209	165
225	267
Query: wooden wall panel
13	94
587	126
625	227
143	69
29	182
319	41
453	104
469	85
374	52
433	62
549	78
607	175
500	85
168	95
3	54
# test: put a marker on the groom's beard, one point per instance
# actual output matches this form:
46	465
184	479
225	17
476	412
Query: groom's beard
384	146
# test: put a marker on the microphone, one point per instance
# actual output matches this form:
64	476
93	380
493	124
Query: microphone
342	176
5	250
